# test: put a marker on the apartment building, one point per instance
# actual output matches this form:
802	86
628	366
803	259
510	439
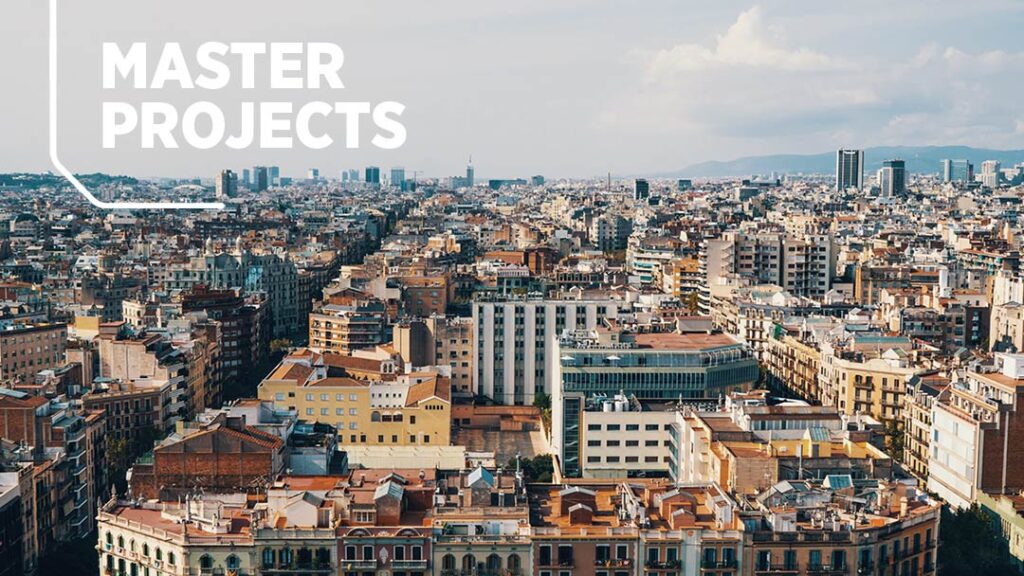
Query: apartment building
792	362
750	445
27	349
516	341
868	376
268	274
223	454
347	320
922	393
802	264
975	432
413	409
150	365
592	366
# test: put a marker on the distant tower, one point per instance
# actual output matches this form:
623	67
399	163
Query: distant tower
641	189
849	169
373	176
398	178
470	174
894	181
226	184
260	178
991	172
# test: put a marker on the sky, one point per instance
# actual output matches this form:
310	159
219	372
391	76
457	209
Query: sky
566	88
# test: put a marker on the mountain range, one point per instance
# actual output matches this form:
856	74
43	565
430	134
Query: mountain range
920	160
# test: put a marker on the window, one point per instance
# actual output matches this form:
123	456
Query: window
232	562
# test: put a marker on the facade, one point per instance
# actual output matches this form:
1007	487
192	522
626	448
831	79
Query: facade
222	455
27	349
266	274
226	184
413	409
957	171
892	178
792	363
516	341
849	169
801	263
590	367
974	434
346	321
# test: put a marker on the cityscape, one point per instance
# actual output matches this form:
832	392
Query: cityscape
532	288
375	372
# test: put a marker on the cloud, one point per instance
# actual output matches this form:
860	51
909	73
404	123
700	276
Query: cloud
750	91
748	42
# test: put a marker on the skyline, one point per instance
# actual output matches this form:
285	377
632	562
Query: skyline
601	100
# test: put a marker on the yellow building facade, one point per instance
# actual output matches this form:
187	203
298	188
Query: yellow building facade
414	409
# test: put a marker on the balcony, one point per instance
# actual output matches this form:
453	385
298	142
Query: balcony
791	568
718	564
827	569
420	564
365	564
614	562
661	564
308	567
866	568
559	563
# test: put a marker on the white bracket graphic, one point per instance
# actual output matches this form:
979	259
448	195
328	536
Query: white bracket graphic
71	177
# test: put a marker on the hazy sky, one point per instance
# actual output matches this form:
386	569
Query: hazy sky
554	87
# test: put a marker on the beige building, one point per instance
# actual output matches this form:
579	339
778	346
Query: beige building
26	349
867	376
793	363
413	409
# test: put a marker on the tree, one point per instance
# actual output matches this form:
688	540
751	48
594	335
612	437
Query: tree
280	345
117	459
693	303
76	556
894	440
540	468
971	545
543	402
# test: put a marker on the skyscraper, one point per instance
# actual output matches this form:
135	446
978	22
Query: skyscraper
470	173
226	184
246	177
892	178
260	178
641	189
957	171
372	175
990	173
849	169
398	178
313	174
274	176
